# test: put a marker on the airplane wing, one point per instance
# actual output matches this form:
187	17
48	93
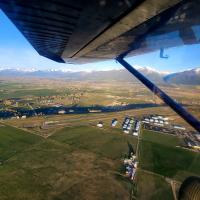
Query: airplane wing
80	31
84	31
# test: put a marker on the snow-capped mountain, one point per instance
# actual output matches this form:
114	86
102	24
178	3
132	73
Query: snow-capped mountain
150	70
189	77
117	75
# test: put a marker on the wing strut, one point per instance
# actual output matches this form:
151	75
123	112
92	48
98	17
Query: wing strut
162	95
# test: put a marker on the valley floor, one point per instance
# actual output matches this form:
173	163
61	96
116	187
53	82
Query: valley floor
81	161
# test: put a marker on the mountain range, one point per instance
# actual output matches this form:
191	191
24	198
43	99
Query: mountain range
189	77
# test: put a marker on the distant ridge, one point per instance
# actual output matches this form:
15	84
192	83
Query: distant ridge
111	75
188	77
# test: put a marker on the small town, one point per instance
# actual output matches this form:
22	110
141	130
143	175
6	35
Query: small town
159	124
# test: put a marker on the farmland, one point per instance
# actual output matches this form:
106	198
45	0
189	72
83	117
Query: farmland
65	156
78	162
14	141
152	186
161	154
34	93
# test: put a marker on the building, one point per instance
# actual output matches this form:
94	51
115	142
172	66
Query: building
135	133
126	126
114	122
100	124
130	166
197	136
61	112
192	144
129	126
179	127
156	120
94	111
126	131
30	125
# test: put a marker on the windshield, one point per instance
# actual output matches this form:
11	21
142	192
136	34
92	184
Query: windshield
98	131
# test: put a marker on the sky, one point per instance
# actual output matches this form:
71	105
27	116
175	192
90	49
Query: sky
17	52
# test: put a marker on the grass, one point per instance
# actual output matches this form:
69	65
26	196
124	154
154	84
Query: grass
75	163
27	92
106	142
157	188
159	154
14	140
159	138
84	162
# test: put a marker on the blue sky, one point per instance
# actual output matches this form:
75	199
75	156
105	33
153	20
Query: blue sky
16	52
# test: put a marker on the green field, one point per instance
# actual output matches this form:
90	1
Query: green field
14	141
27	92
159	154
19	90
152	187
75	163
85	162
101	142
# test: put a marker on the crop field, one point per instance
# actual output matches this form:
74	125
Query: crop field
85	162
28	92
19	90
75	163
61	157
74	93
160	154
